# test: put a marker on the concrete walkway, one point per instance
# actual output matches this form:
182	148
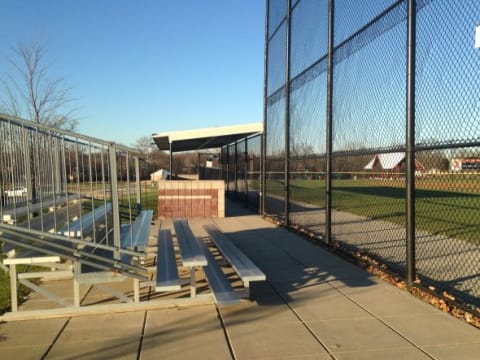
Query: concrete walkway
313	306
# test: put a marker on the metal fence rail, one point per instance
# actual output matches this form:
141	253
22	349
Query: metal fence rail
372	132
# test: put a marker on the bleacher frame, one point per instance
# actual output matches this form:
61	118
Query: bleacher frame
57	168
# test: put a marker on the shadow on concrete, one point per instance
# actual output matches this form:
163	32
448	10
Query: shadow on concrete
291	263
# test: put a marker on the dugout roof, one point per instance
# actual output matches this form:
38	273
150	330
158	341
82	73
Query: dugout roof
207	138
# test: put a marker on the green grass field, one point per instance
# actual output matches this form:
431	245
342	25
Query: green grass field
5	287
448	205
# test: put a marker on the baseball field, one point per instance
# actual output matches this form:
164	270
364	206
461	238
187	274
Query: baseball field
447	204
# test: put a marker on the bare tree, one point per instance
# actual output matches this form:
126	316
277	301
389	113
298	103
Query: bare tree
144	145
154	158
30	92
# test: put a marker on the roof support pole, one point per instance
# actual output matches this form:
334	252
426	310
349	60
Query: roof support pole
236	172
410	134
170	160
227	175
199	177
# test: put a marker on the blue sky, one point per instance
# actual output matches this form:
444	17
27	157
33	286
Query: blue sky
140	67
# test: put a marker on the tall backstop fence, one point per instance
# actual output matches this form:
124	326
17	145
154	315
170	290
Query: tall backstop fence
372	132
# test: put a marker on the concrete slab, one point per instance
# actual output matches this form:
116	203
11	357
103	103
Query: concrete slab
360	334
33	333
390	354
103	326
454	351
278	340
109	336
26	352
253	313
28	339
434	328
184	334
323	302
104	348
383	299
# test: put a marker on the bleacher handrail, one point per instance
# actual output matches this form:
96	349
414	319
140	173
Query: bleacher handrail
49	130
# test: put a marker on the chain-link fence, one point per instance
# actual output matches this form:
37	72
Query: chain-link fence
241	163
372	138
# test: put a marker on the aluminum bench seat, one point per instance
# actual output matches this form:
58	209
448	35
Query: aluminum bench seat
86	223
243	266
10	214
137	239
222	291
190	249
167	272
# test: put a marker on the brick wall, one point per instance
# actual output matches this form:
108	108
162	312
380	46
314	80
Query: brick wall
184	198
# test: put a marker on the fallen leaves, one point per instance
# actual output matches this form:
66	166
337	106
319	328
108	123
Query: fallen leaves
429	293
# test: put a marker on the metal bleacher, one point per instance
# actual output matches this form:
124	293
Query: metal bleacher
71	206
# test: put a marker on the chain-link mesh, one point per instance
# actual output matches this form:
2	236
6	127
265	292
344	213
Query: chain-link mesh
309	34
246	164
276	14
368	183
307	148
254	171
276	62
369	206
353	15
231	171
447	83
275	159
369	131
447	128
241	188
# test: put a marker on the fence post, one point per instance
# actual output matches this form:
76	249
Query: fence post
328	178
137	183
170	160
410	134
287	118
227	171
114	194
263	142
245	164
28	161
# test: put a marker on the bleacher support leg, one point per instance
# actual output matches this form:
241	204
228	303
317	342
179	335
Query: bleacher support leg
193	289
247	290
76	284
13	287
136	290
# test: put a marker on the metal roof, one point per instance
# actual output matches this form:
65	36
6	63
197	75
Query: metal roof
207	138
387	161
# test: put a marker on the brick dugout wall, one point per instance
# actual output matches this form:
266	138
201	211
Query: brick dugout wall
183	198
